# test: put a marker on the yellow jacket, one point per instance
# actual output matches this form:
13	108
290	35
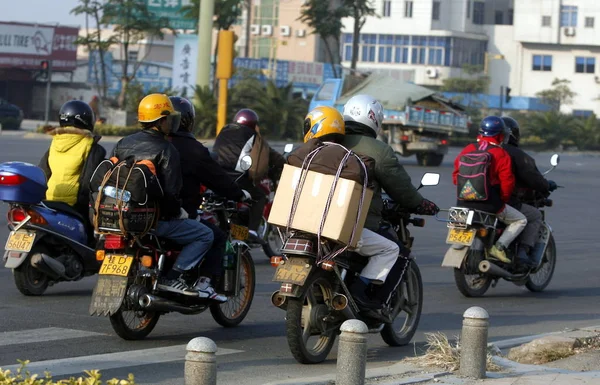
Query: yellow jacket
67	155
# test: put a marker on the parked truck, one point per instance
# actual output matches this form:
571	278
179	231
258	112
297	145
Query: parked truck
417	121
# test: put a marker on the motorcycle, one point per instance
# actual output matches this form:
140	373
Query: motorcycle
471	233
127	291
317	300
48	241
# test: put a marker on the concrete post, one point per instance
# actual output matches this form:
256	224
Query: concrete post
201	362
352	353
473	343
205	27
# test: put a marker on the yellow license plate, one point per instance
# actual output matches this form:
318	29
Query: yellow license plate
294	270
239	232
116	265
461	237
21	240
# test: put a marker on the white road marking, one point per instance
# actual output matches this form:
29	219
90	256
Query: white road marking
42	335
77	365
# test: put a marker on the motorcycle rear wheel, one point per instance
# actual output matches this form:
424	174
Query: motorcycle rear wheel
471	285
546	270
410	291
29	280
273	245
146	321
233	312
304	320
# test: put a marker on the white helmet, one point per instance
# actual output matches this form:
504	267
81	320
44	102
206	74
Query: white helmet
364	109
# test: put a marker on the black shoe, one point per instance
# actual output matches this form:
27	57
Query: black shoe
358	290
524	259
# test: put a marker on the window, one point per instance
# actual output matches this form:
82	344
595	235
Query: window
499	18
387	8
546	21
368	47
585	65
347	46
435	11
467	51
386	47
401	44
132	56
542	63
589	22
478	12
468	9
408	9
568	16
432	50
583	113
510	15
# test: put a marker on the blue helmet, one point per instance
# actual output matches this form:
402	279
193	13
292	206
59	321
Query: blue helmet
492	126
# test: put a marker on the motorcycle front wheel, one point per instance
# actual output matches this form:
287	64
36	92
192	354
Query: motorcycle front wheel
232	312
408	297
542	277
309	337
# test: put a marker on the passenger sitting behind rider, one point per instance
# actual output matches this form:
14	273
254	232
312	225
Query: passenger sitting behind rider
158	119
498	183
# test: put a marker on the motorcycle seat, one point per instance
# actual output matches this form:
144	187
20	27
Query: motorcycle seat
65	209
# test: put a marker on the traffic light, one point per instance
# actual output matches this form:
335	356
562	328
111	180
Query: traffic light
507	95
44	69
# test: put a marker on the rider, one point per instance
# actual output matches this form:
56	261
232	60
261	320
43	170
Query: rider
492	134
158	119
363	117
242	138
527	176
199	168
72	157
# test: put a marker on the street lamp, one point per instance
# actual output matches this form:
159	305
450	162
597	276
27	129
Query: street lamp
486	61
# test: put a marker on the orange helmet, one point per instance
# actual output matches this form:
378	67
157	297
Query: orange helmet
154	107
323	121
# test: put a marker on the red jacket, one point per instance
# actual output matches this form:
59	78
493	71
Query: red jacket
501	172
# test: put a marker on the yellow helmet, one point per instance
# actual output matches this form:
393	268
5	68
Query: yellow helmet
323	121
154	107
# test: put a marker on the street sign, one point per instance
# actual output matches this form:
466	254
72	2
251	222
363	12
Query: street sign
171	9
185	54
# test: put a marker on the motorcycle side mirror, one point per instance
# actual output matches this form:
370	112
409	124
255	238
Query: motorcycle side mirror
288	148
245	163
555	160
430	179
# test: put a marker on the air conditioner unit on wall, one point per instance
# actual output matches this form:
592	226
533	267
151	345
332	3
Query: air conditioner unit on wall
300	32
266	30
285	30
255	29
569	31
432	73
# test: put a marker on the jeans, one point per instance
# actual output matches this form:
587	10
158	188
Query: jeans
530	234
213	262
258	206
516	223
195	238
382	254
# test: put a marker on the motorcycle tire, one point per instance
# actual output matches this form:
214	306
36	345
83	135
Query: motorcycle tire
318	308
272	239
224	313
147	323
469	290
411	290
546	270
29	280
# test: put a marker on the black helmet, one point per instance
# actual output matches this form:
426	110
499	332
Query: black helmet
493	126
246	117
515	131
76	113
187	111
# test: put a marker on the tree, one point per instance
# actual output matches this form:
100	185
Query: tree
553	126
586	135
205	104
359	10
560	94
225	15
132	22
325	21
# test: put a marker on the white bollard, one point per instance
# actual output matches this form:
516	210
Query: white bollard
473	343
201	362
352	353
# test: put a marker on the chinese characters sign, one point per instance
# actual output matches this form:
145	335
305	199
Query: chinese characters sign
171	9
185	56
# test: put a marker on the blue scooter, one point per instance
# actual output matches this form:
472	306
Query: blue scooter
48	242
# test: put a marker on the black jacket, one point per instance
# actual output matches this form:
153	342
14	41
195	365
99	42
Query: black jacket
526	173
199	168
95	157
153	145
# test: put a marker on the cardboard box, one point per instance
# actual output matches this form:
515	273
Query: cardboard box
311	205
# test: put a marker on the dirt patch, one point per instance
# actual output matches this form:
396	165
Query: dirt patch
546	350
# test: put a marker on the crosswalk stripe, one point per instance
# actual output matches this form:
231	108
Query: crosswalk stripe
76	365
42	335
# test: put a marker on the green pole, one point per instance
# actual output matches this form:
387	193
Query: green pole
205	24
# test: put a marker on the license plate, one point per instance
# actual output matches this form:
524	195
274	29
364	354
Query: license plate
461	237
294	270
116	265
21	240
239	232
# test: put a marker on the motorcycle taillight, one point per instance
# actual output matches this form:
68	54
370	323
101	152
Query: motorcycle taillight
16	215
114	242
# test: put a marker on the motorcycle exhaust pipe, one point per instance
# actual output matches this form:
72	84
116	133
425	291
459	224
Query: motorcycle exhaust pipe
339	302
489	268
279	300
49	266
151	302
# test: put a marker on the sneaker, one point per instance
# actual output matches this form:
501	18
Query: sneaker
499	253
177	285
205	290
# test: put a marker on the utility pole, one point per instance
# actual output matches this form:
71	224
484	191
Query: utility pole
501	99
48	85
223	73
205	27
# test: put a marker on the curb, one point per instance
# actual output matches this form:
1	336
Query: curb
512	342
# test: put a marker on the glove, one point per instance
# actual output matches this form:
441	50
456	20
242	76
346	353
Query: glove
552	185
246	196
183	214
427	207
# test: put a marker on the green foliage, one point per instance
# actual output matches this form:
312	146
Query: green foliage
553	126
24	377
205	104
475	85
226	12
560	94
